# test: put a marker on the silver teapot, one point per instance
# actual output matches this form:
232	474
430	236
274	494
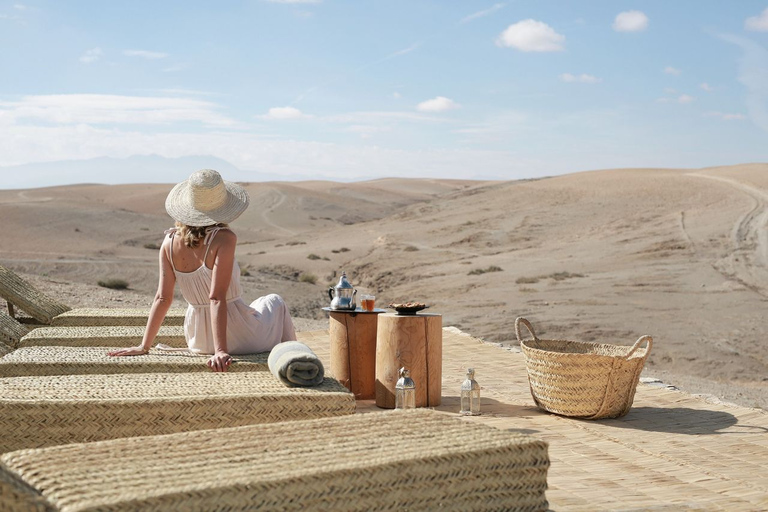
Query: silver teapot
343	294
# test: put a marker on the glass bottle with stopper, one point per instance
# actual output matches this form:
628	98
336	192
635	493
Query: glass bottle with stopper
405	391
470	395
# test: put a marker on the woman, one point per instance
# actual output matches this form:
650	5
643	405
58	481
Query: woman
199	253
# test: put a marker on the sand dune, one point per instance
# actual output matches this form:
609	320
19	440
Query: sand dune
605	255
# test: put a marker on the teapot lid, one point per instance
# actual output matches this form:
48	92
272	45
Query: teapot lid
343	282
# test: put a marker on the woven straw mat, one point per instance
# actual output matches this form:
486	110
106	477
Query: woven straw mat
11	331
91	317
108	336
53	360
23	295
77	408
582	379
396	460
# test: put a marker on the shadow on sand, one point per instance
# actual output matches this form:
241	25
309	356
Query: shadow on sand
682	420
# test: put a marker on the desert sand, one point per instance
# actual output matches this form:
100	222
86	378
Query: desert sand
608	256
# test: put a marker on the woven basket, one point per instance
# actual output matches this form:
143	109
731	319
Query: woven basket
56	360
4	349
26	297
582	379
383	461
92	317
49	410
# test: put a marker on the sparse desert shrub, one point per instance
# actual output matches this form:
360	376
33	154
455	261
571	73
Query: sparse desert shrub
144	229
262	252
478	271
152	245
343	249
527	280
525	289
244	271
113	283
308	278
296	242
410	248
313	256
562	276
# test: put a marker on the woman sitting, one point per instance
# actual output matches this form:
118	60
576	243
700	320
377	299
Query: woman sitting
199	253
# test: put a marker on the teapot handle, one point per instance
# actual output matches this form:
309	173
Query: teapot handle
354	291
330	293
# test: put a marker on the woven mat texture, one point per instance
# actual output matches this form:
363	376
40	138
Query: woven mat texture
57	360
671	451
4	349
26	297
11	331
105	336
92	317
398	460
75	408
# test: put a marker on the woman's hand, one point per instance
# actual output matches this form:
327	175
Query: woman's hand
133	351
220	361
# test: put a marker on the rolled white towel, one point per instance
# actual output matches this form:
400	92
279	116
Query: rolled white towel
295	364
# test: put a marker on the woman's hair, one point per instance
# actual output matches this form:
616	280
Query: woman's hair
192	235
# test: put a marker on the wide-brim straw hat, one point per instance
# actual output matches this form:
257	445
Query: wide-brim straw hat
205	199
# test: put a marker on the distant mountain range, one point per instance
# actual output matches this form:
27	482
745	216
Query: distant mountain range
133	169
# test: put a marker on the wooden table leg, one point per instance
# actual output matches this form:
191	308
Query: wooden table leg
416	343
353	352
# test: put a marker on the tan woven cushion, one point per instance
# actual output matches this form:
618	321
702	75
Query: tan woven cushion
397	460
106	336
48	410
26	297
92	317
57	360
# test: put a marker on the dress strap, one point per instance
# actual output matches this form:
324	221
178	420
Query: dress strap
170	233
209	235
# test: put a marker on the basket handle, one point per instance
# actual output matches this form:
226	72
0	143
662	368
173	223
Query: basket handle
637	345
520	320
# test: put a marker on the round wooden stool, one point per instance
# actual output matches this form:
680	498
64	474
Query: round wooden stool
416	343
353	350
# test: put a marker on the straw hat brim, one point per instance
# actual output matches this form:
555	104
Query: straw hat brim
178	206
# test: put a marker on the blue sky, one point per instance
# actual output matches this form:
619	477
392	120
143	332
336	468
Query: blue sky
363	89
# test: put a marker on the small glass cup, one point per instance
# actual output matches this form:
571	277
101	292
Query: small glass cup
368	302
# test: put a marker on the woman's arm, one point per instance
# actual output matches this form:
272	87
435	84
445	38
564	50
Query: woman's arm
160	305
224	260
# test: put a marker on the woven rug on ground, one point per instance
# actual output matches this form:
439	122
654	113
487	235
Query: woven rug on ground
56	360
49	410
92	317
105	336
26	297
395	460
4	349
11	331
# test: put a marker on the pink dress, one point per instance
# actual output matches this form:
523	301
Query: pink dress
250	329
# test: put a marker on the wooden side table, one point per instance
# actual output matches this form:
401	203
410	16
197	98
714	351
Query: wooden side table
416	343
353	349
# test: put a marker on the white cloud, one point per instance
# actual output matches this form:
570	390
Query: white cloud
531	36
670	90
757	23
673	71
706	87
438	104
396	95
294	1
726	117
753	75
78	109
284	113
175	67
19	7
480	14
378	117
582	78
145	54
630	21
682	99
91	55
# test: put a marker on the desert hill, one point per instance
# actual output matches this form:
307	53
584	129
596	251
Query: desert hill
604	255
